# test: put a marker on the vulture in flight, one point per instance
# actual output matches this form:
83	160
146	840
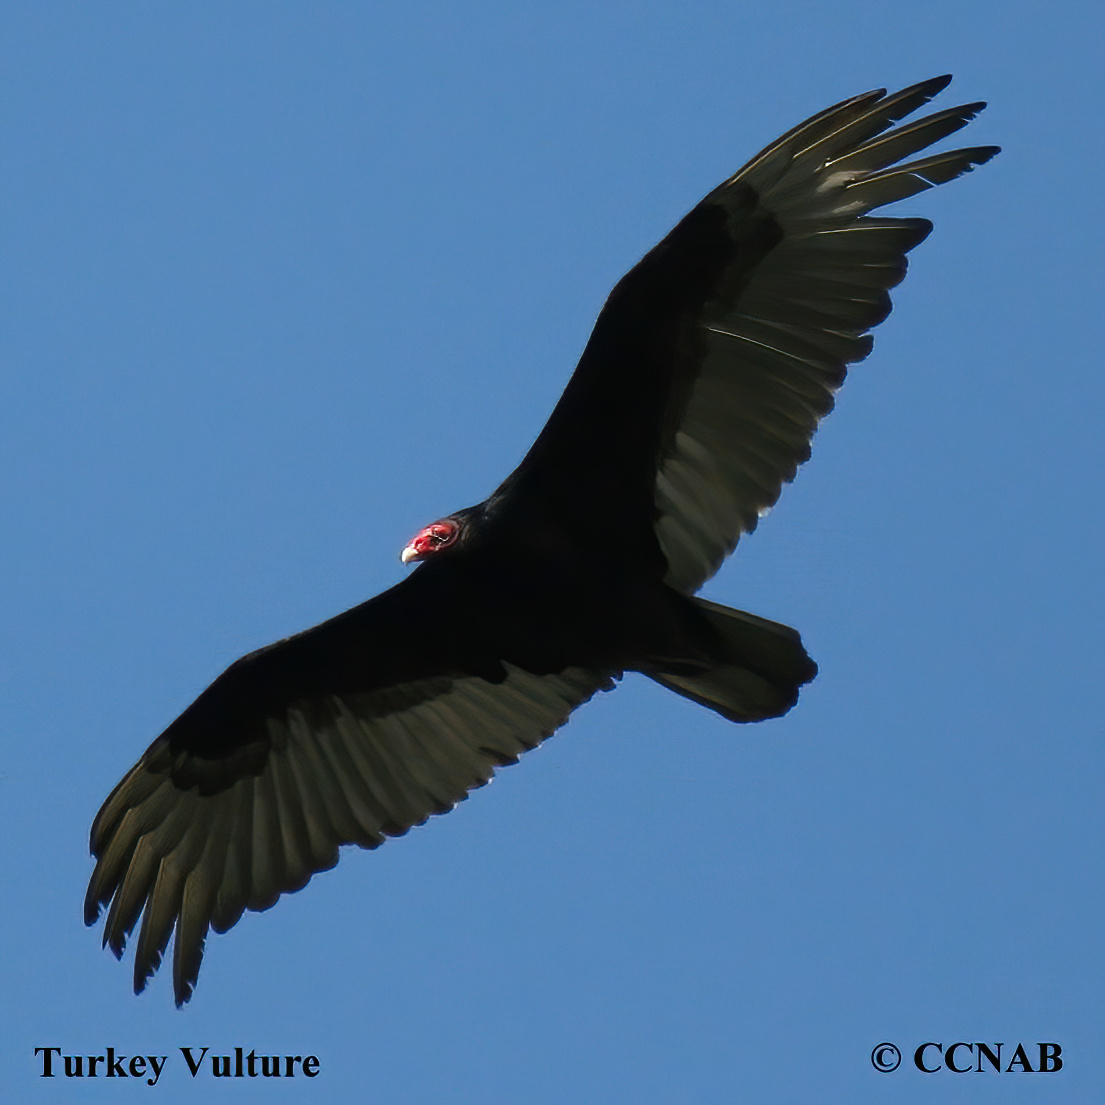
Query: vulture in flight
695	400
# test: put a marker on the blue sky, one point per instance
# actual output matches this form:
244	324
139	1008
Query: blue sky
283	282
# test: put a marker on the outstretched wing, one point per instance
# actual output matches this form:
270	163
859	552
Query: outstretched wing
340	735
715	357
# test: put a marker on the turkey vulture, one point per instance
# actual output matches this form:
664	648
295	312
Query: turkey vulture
695	400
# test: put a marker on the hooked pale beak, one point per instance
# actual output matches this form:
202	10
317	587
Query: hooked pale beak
409	553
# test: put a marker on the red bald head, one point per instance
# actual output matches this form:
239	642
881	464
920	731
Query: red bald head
433	539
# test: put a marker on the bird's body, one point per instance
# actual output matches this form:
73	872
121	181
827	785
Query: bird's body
694	402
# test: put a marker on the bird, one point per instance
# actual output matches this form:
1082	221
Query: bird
695	400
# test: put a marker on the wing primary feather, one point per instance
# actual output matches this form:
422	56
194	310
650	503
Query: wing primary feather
864	115
135	788
117	849
905	140
143	867
163	903
197	901
860	131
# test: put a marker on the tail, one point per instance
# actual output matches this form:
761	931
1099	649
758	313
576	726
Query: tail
760	666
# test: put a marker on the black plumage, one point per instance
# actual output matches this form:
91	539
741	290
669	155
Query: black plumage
694	402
